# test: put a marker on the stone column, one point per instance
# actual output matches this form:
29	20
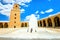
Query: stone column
24	25
46	23
3	24
27	24
53	25
42	23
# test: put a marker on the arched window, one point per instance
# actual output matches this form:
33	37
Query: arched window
40	23
44	23
14	26
22	25
16	5
56	21
15	14
49	22
6	25
1	25
25	24
14	17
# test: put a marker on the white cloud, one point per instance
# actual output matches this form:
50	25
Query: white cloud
37	12
5	12
22	11
38	16
21	2
48	11
8	1
42	12
28	17
5	9
1	6
50	15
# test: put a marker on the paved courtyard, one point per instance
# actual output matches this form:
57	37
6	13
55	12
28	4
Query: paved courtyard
42	33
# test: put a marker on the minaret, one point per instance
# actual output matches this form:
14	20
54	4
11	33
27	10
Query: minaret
15	17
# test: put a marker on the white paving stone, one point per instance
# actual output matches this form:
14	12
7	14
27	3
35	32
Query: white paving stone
41	33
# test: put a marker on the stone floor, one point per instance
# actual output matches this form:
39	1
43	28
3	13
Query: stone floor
42	33
7	30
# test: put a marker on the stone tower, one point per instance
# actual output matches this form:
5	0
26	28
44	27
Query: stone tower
15	17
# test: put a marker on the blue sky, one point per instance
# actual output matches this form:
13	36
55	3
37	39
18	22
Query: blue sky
41	8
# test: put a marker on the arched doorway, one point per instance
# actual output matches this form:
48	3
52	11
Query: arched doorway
44	23
14	26
25	24
40	23
22	25
49	22
56	21
6	25
1	25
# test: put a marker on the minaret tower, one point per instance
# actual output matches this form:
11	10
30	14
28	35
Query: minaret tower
15	17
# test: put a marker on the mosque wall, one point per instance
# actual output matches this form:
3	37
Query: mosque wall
4	25
24	24
53	21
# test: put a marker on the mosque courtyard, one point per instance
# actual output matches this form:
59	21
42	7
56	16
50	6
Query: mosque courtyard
21	33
